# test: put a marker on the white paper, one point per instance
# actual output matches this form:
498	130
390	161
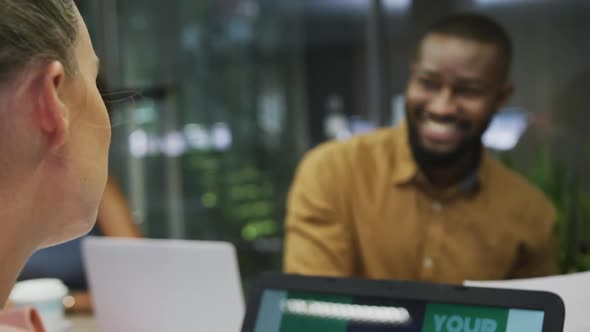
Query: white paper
574	289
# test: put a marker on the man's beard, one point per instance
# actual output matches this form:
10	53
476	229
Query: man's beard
469	146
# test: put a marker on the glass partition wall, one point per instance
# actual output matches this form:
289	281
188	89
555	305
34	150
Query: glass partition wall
213	102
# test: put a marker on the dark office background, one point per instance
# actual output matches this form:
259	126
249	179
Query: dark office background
217	100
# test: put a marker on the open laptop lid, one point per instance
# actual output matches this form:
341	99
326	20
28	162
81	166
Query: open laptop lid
287	303
149	285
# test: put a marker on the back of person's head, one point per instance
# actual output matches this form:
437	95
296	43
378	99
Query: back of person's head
479	28
54	128
36	30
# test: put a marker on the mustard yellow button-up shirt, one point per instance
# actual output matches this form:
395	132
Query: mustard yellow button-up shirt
360	208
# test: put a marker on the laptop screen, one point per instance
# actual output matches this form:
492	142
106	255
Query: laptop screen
295	311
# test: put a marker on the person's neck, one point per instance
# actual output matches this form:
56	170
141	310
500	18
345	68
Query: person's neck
13	256
445	177
16	242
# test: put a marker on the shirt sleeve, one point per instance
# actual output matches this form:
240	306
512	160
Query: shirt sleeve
538	258
318	232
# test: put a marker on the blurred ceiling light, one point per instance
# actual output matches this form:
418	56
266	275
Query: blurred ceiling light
330	5
336	126
354	7
388	4
197	136
504	2
139	143
173	144
397	4
221	136
272	111
359	126
145	113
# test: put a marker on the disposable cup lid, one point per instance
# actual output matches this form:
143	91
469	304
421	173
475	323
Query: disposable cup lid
38	290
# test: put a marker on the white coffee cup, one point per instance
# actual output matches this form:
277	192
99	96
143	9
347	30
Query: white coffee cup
45	295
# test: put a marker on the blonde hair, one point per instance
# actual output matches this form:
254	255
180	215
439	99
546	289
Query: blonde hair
33	30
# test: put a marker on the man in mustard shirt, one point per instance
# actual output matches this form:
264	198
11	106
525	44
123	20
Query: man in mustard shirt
424	201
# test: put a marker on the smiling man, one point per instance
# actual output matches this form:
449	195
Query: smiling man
424	201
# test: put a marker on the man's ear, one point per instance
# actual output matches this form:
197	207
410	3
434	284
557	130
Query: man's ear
505	94
50	109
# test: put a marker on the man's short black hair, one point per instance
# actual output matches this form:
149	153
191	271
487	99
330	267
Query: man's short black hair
477	28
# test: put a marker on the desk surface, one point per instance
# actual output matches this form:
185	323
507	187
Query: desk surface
83	323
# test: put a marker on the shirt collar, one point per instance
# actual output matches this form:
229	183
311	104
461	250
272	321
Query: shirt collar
404	167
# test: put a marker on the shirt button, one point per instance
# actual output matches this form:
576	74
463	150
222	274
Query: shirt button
428	263
436	207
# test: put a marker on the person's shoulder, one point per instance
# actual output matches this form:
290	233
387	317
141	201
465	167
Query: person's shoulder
360	156
375	142
516	188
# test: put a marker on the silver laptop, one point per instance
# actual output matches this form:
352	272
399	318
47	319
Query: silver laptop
146	285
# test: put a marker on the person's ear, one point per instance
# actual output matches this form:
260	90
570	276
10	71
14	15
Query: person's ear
504	95
50	110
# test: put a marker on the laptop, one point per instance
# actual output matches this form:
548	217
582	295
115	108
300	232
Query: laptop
287	303
147	285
